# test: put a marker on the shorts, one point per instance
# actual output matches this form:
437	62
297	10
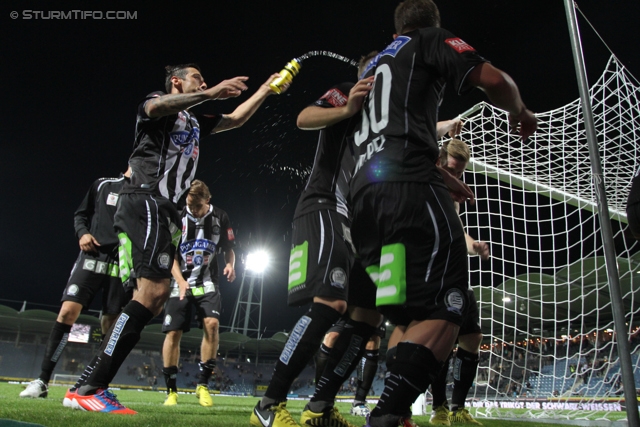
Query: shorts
338	327
322	263
412	244
178	314
148	231
92	272
471	323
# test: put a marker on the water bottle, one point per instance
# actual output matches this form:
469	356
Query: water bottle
286	76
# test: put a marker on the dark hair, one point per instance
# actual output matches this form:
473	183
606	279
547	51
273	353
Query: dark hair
413	14
179	71
364	61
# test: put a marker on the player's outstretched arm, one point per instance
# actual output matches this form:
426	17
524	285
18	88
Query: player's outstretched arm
314	117
173	103
245	110
503	93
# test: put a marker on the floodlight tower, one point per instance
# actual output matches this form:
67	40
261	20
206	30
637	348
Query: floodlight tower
247	314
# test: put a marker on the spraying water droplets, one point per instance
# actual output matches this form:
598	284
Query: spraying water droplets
328	54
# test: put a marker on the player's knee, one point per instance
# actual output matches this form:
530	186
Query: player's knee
338	305
69	312
173	337
330	339
470	342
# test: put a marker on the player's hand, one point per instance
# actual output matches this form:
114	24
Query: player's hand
525	123
451	127
228	88
482	249
230	273
357	94
183	285
88	243
460	192
271	78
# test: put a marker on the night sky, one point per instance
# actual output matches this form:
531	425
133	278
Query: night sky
72	86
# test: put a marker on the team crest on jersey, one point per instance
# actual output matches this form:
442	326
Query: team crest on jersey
164	260
73	290
216	229
459	45
454	301
338	277
112	199
198	259
167	320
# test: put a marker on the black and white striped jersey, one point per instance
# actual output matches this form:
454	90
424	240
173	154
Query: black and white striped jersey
95	213
166	150
396	139
322	190
202	239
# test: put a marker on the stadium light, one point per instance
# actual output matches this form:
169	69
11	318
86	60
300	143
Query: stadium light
257	261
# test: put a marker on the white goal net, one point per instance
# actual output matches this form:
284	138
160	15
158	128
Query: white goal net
544	298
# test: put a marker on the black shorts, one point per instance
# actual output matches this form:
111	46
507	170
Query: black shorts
92	272
471	323
322	263
338	327
412	244
148	231
178	314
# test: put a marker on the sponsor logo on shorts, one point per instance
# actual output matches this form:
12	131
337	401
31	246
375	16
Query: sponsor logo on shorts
89	264
73	290
338	277
164	260
167	320
101	267
459	45
294	339
115	334
454	301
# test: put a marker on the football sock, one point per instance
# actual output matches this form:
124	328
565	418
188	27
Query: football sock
464	373
413	370
170	378
123	336
346	353
58	339
367	368
303	342
321	360
439	385
206	369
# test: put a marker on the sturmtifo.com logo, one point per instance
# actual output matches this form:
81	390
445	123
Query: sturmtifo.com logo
75	14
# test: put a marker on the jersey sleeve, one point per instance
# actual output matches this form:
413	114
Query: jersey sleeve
337	96
142	115
227	237
84	213
451	56
208	123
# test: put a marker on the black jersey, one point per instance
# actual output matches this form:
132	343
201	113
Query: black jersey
95	213
166	150
202	239
322	191
397	139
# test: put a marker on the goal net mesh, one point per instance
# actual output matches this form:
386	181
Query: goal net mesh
544	300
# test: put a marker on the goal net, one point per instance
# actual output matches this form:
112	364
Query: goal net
549	347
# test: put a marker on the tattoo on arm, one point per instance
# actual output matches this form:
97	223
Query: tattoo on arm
171	104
